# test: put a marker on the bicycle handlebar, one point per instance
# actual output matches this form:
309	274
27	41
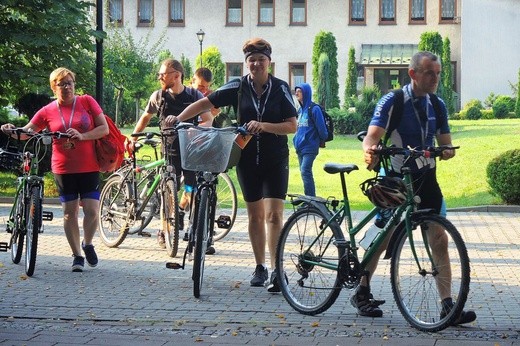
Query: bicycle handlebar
429	152
44	133
238	129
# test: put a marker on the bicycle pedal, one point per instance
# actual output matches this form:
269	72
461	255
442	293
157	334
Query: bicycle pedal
4	246
47	215
145	234
223	221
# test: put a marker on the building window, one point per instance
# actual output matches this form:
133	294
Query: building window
176	13
386	11
266	12
145	13
296	74
233	70
448	11
357	14
417	11
298	12
234	12
115	12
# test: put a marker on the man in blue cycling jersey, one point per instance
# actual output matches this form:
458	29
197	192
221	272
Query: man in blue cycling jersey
419	127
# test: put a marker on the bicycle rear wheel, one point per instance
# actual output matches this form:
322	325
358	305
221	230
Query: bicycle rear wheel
113	211
418	282
170	215
33	222
201	241
17	236
226	208
307	261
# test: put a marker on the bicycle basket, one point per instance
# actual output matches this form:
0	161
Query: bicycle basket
385	192
205	150
10	160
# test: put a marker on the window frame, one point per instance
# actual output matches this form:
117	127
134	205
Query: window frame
116	22
292	65
172	23
357	22
411	20
272	23
228	67
387	22
141	23
241	23
291	19
450	20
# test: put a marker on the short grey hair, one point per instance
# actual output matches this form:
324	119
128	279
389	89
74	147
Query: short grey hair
417	58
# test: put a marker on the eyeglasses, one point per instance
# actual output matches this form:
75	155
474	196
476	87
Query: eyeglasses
161	75
64	85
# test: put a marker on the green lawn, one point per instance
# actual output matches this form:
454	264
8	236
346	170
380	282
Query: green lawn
463	178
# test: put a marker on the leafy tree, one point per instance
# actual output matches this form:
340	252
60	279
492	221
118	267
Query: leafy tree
325	42
447	88
323	95
212	59
517	105
432	42
351	82
129	67
188	70
39	36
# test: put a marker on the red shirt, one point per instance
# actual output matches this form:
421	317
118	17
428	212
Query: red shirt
82	158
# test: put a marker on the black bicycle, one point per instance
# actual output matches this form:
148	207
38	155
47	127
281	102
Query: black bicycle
27	214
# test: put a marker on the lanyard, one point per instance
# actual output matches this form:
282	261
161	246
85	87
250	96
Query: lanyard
71	114
260	109
424	130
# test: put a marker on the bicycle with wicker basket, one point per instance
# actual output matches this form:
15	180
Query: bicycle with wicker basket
316	259
205	150
26	217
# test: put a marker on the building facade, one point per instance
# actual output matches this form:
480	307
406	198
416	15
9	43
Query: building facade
384	33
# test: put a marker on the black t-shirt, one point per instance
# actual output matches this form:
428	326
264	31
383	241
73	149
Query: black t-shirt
275	105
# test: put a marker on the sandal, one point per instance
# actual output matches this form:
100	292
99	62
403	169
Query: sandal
366	305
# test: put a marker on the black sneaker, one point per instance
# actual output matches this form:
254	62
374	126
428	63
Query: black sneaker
181	220
160	239
210	250
90	254
260	276
273	286
78	263
366	305
464	317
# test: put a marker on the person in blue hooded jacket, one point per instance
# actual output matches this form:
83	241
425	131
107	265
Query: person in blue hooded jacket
311	132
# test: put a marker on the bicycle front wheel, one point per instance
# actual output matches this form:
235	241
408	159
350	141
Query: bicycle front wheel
113	211
429	264
17	236
170	215
307	261
226	208
201	241
33	222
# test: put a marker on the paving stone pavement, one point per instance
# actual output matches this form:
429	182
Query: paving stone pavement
131	298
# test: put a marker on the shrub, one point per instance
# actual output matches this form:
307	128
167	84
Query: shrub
487	114
471	103
473	113
502	106
503	174
347	123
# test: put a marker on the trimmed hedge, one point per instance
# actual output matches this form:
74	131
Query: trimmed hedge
503	173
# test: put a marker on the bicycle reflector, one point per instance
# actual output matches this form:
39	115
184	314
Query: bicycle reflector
385	192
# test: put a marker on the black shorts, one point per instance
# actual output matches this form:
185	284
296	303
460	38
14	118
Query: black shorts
77	185
427	188
268	180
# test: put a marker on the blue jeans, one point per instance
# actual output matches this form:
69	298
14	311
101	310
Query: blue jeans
306	161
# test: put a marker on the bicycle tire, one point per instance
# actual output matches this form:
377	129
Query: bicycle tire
226	206
170	215
416	291
17	236
309	288
201	241
113	211
33	222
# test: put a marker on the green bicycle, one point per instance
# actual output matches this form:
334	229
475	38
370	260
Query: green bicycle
26	218
315	259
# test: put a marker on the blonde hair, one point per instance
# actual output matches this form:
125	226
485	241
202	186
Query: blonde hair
60	73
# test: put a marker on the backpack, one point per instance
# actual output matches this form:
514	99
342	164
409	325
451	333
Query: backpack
328	123
397	112
110	150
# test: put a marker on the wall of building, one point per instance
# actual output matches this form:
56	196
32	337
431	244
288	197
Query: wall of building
490	48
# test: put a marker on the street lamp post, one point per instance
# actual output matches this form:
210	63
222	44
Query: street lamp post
200	36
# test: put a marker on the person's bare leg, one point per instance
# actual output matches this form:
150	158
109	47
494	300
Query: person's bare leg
274	222
71	226
256	229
